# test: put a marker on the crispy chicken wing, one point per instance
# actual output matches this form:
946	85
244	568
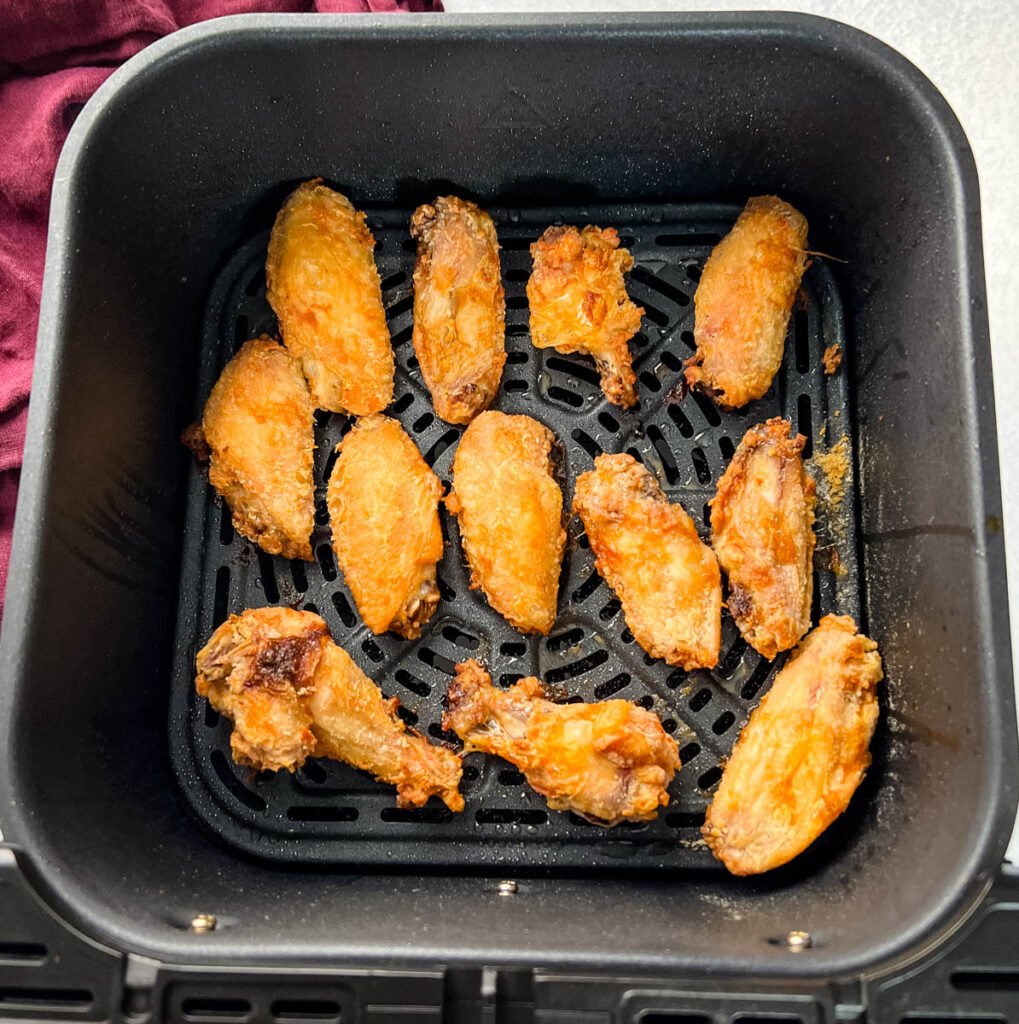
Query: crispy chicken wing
384	511
257	669
356	724
801	755
324	287
647	549
762	530
459	308
509	508
610	762
292	693
743	302
579	304
257	431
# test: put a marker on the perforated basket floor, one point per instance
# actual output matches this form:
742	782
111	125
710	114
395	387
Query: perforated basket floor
329	813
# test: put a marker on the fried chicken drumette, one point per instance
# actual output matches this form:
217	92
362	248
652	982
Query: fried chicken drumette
579	303
509	508
762	530
324	287
292	693
609	762
459	307
384	512
743	302
647	550
257	432
801	755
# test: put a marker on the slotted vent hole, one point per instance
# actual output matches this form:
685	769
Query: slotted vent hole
612	686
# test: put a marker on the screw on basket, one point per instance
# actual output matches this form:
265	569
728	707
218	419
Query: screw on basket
202	923
507	887
797	941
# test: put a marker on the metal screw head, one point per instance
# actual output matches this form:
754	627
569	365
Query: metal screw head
507	887
797	942
203	923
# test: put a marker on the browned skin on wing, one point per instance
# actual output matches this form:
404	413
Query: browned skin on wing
356	724
459	308
801	755
324	287
579	303
609	762
292	694
647	549
743	302
257	670
762	530
258	433
384	510
510	512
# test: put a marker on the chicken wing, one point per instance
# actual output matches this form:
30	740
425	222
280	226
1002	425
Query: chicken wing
801	755
356	724
459	308
579	303
257	432
762	530
510	508
257	670
647	550
384	510
324	287
292	693
743	302
609	762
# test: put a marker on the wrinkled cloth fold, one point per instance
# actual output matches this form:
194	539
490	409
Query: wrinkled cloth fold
53	56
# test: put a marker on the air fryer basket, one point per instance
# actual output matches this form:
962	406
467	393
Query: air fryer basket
328	812
179	163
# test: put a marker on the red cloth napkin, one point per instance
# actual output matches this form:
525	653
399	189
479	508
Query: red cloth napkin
53	55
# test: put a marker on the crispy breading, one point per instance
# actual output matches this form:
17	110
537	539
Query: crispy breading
459	307
509	508
258	434
384	512
324	286
762	530
801	755
579	303
609	762
647	550
743	302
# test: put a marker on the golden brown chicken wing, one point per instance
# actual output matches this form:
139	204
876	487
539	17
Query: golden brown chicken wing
459	308
292	693
579	303
324	287
743	302
647	550
257	432
510	508
257	670
384	510
762	530
801	755
356	724
609	762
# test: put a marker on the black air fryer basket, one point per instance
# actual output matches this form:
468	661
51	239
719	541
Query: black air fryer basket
144	877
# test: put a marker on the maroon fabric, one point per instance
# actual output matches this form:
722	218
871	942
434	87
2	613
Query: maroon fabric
53	55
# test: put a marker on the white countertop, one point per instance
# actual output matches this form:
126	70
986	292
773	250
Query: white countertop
971	53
